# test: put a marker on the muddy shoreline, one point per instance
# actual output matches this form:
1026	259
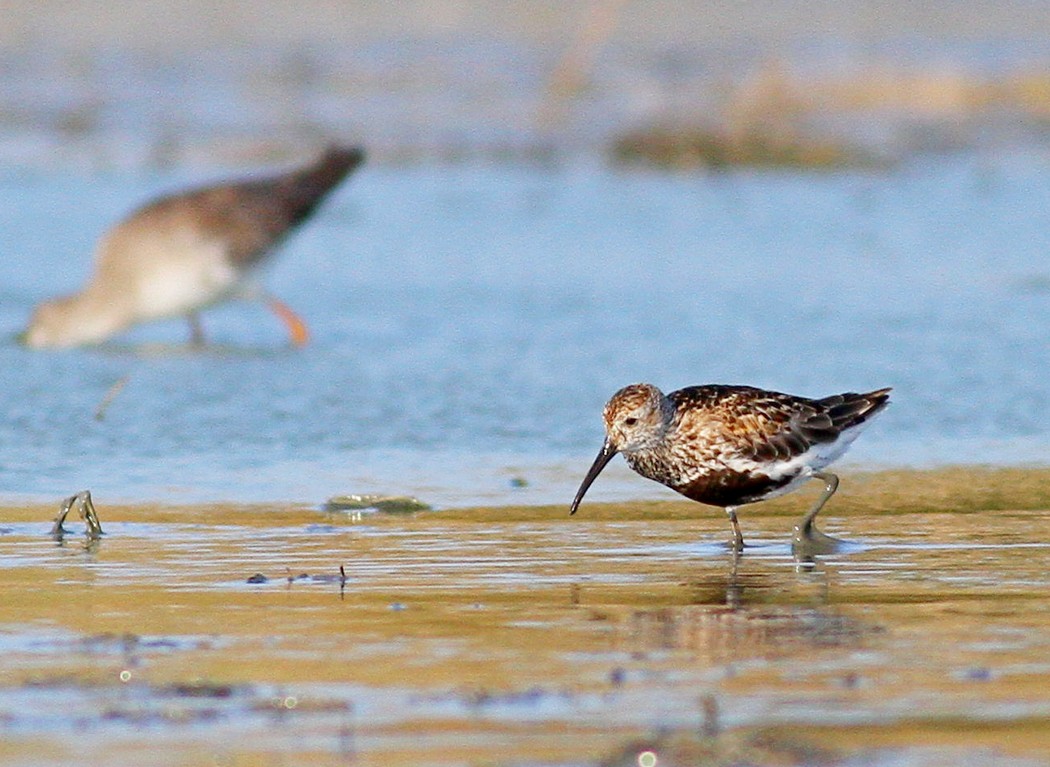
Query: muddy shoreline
783	84
234	634
959	489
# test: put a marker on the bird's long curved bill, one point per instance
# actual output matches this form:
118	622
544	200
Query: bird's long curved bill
604	456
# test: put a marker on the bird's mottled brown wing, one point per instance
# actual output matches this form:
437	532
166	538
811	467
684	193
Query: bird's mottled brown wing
251	217
772	426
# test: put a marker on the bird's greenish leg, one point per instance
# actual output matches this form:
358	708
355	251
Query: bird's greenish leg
738	539
807	539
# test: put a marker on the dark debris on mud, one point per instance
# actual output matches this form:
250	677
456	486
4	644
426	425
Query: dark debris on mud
290	578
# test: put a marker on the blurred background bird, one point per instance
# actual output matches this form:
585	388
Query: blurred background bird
184	252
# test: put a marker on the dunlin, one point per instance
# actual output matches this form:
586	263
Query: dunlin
185	252
732	445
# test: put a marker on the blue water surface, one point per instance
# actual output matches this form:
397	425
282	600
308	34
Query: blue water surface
469	322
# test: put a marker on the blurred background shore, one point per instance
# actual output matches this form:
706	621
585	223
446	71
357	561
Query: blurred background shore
491	276
158	84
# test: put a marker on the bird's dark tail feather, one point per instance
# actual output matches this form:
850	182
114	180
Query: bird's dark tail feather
304	189
851	409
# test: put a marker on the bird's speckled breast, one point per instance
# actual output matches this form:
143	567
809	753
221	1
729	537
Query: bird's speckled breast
714	484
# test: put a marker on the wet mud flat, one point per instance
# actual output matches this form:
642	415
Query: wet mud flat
227	634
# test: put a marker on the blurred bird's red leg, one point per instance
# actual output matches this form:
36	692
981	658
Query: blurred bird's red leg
297	329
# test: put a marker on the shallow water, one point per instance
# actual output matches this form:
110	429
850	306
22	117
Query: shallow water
469	323
522	636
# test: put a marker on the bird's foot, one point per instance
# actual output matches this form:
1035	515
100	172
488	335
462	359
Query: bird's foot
736	545
807	540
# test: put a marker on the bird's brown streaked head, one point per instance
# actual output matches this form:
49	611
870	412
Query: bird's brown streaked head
636	418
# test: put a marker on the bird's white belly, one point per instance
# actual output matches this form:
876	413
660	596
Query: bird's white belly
181	277
799	468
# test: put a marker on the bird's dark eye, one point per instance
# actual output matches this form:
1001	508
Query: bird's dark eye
630	421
